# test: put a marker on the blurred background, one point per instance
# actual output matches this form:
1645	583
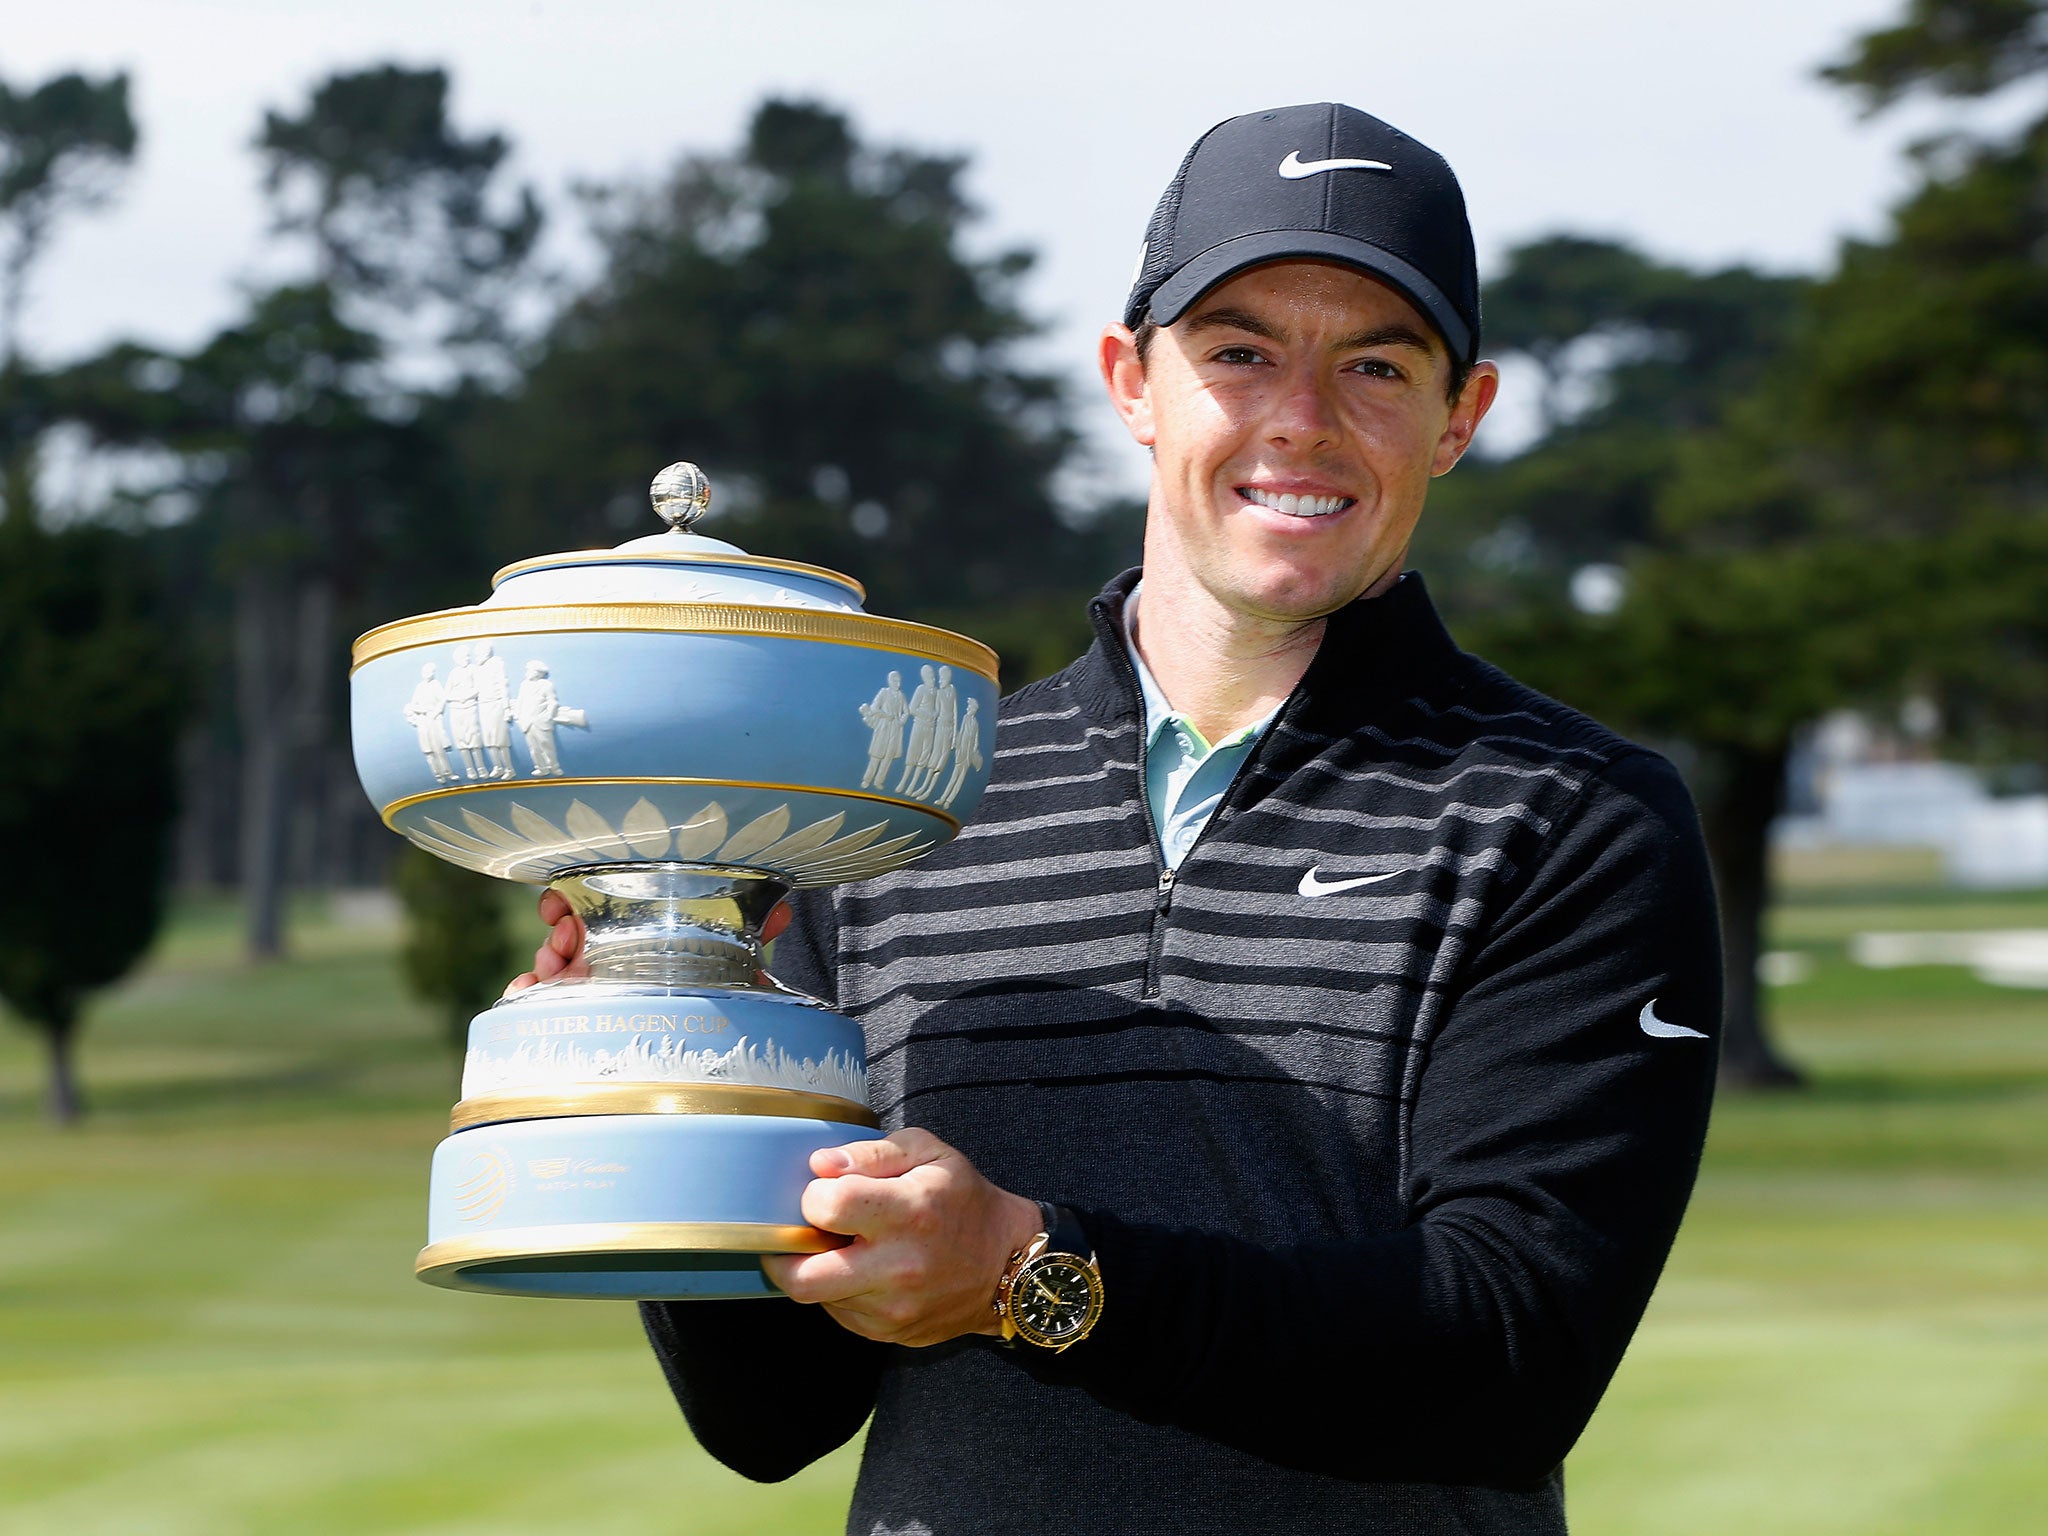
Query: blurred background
312	315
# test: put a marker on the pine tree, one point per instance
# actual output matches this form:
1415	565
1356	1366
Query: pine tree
96	696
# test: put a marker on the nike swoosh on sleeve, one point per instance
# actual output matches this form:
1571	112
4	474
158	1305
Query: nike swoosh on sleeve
1660	1029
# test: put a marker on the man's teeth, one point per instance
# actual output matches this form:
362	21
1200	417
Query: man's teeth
1294	506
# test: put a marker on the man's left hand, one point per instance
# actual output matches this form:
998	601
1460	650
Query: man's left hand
930	1239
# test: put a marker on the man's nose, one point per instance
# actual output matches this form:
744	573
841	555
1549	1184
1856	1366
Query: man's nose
1304	416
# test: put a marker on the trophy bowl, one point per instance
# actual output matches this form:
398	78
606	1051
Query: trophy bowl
673	734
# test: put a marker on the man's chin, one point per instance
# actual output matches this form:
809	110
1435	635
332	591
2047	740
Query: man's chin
1302	598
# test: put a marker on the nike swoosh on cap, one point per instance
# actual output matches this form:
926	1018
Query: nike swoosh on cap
1294	167
1312	886
1659	1029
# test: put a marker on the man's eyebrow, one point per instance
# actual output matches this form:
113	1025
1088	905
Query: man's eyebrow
1227	319
1396	334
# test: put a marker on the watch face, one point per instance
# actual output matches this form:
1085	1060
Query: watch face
1055	1300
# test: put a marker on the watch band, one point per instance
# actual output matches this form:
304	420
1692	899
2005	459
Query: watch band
1063	1232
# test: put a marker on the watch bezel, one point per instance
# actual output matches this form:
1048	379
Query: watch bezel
1082	1264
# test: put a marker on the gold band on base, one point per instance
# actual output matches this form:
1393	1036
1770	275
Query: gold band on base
443	1263
658	1099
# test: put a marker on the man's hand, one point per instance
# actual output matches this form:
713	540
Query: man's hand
930	1239
930	1234
561	953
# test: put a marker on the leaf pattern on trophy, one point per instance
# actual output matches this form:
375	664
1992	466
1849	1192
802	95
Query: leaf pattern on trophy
913	848
535	849
538	829
872	861
439	849
695	838
801	842
755	835
494	834
594	832
646	829
469	853
547	846
474	847
853	842
894	854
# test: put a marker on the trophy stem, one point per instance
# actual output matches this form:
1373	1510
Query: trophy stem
671	924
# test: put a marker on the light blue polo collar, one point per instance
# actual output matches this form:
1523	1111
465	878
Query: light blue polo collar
1186	776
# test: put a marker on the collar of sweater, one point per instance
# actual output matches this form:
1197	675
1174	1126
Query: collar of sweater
1374	651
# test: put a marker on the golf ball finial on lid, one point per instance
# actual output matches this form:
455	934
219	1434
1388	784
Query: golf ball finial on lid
681	495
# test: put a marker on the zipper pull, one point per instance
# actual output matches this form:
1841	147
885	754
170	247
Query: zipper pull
1165	884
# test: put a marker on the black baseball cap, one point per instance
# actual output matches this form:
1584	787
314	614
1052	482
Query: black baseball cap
1322	181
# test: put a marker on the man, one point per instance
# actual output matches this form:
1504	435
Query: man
966	752
884	716
423	711
1349	1005
494	711
924	718
538	709
464	724
945	728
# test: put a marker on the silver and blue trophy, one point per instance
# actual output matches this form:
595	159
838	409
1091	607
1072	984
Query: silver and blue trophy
674	734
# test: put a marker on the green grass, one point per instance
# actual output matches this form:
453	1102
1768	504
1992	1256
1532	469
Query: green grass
1852	1336
208	1322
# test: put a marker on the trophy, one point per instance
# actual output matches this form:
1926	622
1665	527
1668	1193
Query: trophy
674	734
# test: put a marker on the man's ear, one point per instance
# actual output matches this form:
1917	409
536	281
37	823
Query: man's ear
1123	374
1472	404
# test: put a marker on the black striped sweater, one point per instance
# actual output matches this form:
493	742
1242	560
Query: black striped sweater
1381	1112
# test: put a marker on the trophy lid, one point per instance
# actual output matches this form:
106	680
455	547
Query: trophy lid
678	566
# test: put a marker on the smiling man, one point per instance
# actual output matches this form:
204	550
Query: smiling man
1278	1140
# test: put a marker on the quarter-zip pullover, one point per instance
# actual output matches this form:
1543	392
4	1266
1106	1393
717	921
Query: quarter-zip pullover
1357	1107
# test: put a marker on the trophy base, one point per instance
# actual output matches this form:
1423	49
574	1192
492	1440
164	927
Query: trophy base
643	1207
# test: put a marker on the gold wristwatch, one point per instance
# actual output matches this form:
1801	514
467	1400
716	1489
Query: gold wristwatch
1050	1294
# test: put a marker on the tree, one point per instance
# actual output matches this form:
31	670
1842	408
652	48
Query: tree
799	316
1928	397
396	205
1885	483
318	479
1951	47
1865	511
1695	634
62	146
95	698
1877	503
94	691
457	953
284	458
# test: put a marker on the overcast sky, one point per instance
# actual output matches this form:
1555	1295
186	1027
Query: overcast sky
1697	131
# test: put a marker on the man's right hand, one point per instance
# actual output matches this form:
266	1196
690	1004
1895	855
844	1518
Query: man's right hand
561	953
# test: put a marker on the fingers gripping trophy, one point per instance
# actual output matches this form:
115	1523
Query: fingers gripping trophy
673	734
